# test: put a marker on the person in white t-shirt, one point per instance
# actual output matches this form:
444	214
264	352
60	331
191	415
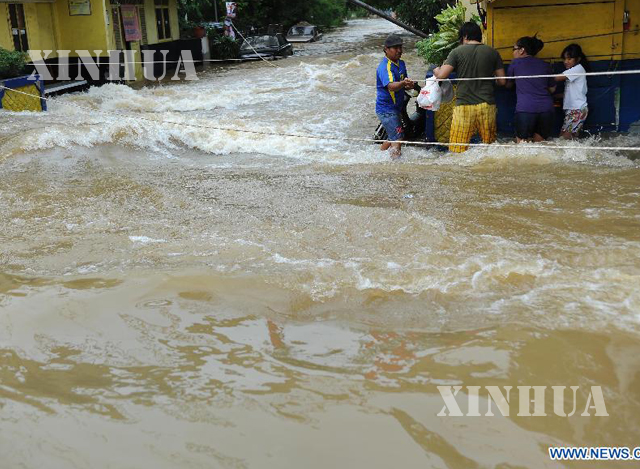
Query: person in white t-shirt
575	90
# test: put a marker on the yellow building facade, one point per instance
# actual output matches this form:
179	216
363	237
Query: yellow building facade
605	29
608	32
85	24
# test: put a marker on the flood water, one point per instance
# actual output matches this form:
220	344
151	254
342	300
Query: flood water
177	296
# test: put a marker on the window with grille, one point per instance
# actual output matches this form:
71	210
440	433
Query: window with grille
18	27
162	19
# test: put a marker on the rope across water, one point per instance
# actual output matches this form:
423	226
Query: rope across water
369	141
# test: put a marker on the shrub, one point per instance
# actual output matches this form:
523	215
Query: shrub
224	48
435	49
12	63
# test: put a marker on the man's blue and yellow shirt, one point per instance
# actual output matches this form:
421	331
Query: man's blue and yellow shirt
388	72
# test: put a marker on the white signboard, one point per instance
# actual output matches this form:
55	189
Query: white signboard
232	8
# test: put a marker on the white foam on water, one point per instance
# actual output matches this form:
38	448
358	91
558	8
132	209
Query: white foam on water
145	240
307	97
333	97
518	155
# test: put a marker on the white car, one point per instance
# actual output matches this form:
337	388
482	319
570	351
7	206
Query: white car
303	33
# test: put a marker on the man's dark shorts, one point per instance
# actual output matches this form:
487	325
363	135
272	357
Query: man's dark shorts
529	123
392	124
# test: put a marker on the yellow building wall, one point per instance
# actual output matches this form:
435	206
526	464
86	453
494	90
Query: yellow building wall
40	29
6	40
39	26
46	39
152	30
51	27
150	14
86	32
631	40
175	26
555	20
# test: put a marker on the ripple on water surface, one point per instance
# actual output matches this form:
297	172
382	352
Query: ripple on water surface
172	294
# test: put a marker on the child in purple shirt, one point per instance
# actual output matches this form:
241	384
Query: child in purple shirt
534	108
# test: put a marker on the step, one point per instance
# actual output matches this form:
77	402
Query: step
66	85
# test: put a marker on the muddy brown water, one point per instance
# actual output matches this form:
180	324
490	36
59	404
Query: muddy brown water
175	296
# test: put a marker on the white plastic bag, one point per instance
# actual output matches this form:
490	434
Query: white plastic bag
431	95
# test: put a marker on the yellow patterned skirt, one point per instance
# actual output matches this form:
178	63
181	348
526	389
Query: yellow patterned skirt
469	120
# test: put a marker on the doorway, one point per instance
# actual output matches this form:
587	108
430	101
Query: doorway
18	27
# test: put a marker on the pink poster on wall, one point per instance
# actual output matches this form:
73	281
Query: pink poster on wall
130	23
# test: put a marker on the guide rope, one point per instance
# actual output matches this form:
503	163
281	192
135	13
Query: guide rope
553	75
362	140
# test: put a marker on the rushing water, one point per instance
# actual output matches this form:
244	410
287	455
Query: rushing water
175	295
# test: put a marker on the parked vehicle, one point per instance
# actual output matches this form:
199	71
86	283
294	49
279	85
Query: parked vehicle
303	32
266	46
213	25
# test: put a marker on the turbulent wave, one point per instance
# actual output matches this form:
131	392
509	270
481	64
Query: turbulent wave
170	291
316	97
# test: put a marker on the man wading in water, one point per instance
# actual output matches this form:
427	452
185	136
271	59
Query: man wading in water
391	82
475	109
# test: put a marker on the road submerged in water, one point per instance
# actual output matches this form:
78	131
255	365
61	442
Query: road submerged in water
174	296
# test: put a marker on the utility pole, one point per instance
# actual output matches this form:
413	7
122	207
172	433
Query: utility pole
215	9
375	11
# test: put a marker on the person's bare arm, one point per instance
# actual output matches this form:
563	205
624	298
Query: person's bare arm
443	72
399	85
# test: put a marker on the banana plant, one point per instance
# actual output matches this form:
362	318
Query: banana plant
435	49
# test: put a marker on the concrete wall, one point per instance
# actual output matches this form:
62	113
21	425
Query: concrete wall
471	9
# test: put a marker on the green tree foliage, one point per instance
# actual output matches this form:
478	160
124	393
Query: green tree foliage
327	13
420	13
12	63
436	48
261	13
